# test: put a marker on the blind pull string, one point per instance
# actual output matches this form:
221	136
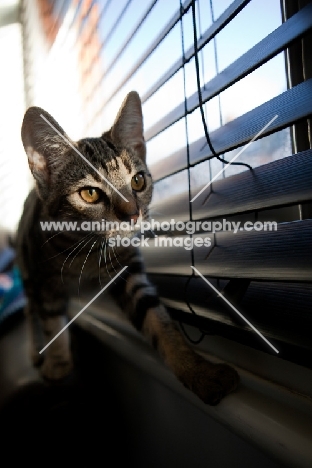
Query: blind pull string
192	275
200	98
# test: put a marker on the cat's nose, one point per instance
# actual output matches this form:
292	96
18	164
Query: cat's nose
126	211
128	217
134	217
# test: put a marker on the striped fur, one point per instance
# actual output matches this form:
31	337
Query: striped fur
53	264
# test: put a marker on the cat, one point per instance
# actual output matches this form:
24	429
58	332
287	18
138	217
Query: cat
67	188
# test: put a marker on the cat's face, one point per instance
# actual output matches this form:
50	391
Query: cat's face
94	179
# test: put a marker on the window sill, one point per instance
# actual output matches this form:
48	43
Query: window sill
272	416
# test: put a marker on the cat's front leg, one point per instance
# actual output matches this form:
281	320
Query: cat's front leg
210	382
57	362
34	332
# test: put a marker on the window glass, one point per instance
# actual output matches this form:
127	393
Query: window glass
167	142
169	96
123	29
174	185
219	6
195	126
263	151
109	17
164	56
248	28
150	29
207	69
256	88
204	14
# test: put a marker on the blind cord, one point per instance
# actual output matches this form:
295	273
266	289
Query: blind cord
197	341
203	333
200	98
214	155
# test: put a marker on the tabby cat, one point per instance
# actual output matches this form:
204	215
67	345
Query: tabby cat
67	188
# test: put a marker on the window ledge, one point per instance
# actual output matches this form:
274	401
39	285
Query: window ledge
270	416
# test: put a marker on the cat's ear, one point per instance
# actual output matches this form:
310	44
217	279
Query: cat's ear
128	126
43	140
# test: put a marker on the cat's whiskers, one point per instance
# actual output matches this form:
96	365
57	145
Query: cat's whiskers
65	250
73	250
118	264
86	243
110	259
106	242
100	259
116	257
85	263
54	235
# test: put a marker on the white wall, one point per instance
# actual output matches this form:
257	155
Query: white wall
15	180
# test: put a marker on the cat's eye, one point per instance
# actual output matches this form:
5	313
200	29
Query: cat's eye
90	194
138	182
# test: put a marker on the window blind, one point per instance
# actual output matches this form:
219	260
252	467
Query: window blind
253	66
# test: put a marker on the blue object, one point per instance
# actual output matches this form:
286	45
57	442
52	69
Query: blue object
6	257
12	297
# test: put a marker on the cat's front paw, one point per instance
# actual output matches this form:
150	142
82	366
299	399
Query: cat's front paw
56	369
211	382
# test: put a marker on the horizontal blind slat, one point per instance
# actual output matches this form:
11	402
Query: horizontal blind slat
291	106
110	66
282	182
209	34
282	255
172	22
277	299
270	46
